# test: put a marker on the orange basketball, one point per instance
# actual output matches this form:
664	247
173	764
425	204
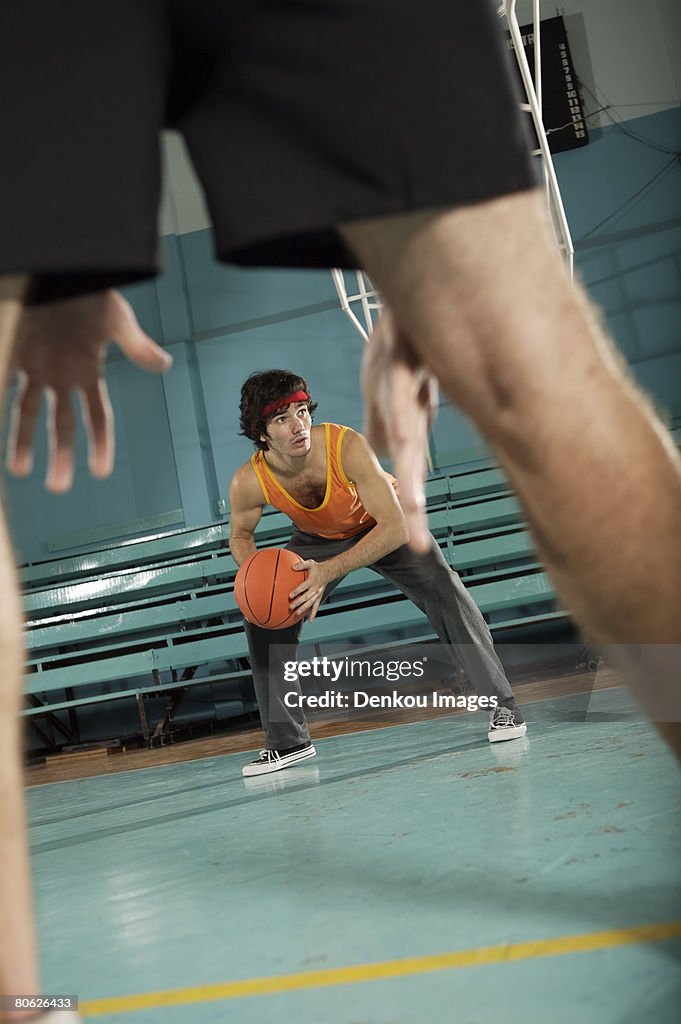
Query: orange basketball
262	587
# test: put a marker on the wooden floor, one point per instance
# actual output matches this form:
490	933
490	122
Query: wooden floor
80	765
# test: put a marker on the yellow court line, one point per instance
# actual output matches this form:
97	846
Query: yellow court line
386	969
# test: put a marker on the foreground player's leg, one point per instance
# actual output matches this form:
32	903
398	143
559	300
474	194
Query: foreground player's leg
487	304
18	970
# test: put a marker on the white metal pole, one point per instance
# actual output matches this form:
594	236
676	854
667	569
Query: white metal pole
555	199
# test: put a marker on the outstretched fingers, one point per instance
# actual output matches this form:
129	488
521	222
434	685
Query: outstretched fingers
61	428
61	349
98	421
23	417
400	398
410	401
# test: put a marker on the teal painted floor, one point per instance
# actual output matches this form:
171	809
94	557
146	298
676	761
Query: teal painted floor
411	841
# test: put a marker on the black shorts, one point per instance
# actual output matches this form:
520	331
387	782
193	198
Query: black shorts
298	115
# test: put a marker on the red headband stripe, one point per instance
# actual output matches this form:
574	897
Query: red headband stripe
296	396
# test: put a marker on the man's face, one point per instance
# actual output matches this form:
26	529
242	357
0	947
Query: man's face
288	431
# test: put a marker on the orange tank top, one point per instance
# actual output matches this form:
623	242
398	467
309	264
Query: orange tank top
341	513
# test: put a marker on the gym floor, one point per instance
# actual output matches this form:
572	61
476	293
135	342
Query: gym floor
405	874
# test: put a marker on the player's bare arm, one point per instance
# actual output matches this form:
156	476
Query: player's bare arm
390	532
246	501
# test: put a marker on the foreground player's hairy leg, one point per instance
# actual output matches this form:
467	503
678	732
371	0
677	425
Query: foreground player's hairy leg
18	970
485	302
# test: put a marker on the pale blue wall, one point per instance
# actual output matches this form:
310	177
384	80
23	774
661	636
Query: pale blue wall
178	442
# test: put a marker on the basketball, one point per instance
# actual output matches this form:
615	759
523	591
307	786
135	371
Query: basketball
262	587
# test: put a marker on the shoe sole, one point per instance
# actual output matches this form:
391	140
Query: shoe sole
249	770
500	735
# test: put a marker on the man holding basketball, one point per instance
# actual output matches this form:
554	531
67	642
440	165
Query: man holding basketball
328	481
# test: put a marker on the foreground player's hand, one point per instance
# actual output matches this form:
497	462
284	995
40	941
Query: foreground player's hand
400	401
60	348
308	595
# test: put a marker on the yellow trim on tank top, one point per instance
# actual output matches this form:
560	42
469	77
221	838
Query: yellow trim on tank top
256	470
327	495
339	462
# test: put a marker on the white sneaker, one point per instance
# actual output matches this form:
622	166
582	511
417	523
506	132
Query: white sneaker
506	723
276	760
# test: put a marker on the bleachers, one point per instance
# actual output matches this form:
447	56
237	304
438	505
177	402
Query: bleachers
158	615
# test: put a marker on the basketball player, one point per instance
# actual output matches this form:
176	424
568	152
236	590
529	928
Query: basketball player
346	516
317	148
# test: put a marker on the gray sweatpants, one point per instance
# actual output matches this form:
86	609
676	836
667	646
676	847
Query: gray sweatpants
426	580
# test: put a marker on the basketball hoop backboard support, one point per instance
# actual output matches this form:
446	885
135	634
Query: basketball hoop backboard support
365	297
533	107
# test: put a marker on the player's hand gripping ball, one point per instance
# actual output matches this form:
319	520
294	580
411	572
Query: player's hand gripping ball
262	587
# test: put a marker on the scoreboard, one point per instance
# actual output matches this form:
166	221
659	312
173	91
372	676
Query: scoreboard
562	109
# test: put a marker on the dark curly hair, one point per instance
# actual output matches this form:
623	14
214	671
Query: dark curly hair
258	391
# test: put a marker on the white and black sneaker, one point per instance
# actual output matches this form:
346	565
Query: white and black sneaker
275	760
506	722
